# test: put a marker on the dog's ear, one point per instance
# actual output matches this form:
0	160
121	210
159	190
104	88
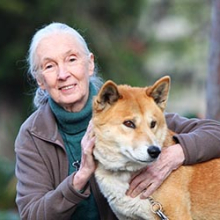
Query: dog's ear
107	95
159	91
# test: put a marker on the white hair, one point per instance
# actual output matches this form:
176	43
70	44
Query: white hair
41	96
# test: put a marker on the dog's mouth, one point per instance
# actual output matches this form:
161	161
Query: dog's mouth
141	161
147	161
151	155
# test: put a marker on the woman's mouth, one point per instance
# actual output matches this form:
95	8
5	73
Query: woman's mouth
65	88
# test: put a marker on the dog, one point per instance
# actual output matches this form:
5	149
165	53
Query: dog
131	130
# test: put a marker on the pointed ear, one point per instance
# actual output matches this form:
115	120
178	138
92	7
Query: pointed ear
107	96
160	91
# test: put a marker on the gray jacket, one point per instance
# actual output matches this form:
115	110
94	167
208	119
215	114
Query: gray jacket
44	189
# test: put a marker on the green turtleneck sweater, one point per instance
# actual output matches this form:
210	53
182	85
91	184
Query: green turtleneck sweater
72	127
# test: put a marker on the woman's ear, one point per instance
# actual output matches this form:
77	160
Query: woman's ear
91	64
40	82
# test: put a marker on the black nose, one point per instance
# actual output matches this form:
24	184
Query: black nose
153	151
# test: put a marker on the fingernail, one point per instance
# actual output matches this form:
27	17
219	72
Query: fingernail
143	196
133	195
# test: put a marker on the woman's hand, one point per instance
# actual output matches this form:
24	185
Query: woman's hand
87	166
150	178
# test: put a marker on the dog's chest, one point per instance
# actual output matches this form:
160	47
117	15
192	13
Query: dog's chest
112	184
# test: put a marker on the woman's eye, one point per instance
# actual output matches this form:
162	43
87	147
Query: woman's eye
49	66
153	124
72	59
129	124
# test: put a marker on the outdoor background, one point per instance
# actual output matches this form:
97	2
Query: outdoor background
134	41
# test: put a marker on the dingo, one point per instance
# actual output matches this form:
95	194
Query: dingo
130	131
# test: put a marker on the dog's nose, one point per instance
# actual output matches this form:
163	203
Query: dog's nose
153	151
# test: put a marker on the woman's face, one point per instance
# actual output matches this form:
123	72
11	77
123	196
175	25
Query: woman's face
65	68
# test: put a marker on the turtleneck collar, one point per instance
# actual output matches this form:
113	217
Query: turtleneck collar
74	122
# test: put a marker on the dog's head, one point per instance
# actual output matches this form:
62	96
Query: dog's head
129	124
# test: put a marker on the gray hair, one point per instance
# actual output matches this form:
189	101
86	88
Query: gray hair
41	96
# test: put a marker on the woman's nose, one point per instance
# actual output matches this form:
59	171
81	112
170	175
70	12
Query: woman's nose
63	73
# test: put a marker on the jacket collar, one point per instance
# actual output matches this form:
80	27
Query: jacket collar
44	126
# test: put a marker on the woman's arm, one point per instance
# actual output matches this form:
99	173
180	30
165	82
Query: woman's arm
199	138
43	191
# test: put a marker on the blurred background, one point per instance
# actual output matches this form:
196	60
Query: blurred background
134	42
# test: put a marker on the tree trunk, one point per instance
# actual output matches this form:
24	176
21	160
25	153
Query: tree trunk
213	79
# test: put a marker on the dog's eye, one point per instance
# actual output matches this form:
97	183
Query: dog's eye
153	124
129	124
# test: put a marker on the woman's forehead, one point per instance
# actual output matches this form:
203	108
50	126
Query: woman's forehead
56	39
61	43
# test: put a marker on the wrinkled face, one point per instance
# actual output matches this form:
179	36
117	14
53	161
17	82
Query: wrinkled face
130	132
65	68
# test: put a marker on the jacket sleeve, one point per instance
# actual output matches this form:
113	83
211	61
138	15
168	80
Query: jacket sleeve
199	138
41	193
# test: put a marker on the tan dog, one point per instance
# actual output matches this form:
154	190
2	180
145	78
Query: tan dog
130	131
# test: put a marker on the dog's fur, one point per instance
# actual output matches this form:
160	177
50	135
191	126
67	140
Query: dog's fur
130	131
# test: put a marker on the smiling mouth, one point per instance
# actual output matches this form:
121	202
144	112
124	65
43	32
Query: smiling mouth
66	87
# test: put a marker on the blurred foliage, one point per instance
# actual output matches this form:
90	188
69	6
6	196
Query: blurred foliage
7	183
134	42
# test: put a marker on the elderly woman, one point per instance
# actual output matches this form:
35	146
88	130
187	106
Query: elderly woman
54	160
